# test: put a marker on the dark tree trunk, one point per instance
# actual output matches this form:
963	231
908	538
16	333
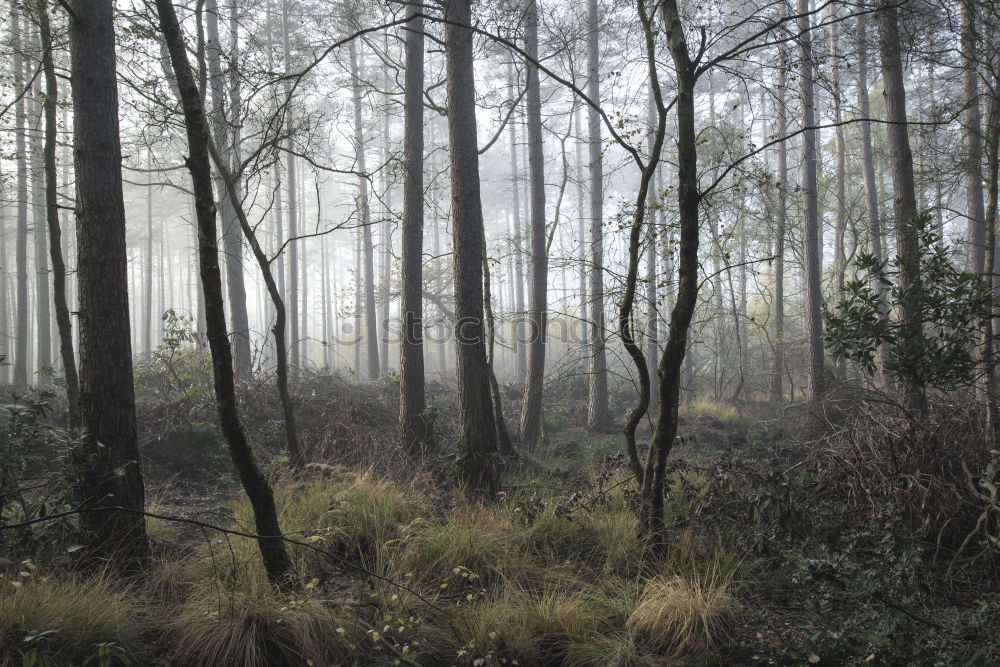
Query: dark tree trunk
65	326
412	402
112	476
972	167
778	371
272	548
478	467
904	196
531	414
839	254
810	188
520	349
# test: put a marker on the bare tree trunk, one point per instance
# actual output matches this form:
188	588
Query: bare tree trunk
112	476
777	388
972	167
272	548
147	311
385	234
990	282
581	235
412	401
232	246
868	166
597	390
65	326
478	466
43	298
814	296
531	414
665	429
904	198
840	258
292	297
652	313
21	339
520	349
371	314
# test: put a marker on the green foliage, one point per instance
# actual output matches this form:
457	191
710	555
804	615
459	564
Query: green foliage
949	302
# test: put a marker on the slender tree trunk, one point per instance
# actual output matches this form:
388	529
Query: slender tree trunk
371	315
972	167
272	548
412	401
385	260
665	429
478	466
531	414
292	298
65	327
21	339
868	166
112	476
232	246
904	197
147	312
777	388
581	235
840	258
520	348
990	282
652	312
43	297
814	296
597	389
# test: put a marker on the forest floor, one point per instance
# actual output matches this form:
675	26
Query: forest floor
778	553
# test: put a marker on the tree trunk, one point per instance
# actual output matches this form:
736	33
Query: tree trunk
531	414
904	197
147	297
65	326
990	282
43	298
368	248
840	258
21	340
412	401
112	476
777	384
652	314
868	166
597	380
222	126
478	467
665	429
272	548
814	296
520	349
292	297
972	167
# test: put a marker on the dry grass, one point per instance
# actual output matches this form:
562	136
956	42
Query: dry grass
683	615
253	627
75	614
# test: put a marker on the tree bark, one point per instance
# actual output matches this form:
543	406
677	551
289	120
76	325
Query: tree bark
520	349
478	465
368	248
814	296
43	298
412	400
972	120
778	370
531	414
597	381
63	323
21	341
112	476
272	548
222	125
904	196
840	227
990	282
292	298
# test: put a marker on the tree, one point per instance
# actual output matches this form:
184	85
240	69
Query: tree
904	194
597	380
780	232
810	251
272	548
112	476
531	414
21	242
65	327
972	166
231	237
412	403
478	467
